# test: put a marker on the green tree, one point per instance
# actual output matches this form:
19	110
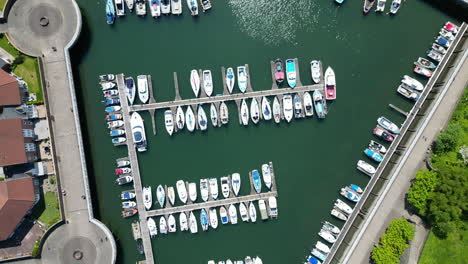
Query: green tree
384	255
449	139
423	186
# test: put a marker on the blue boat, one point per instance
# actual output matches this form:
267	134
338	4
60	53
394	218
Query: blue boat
373	155
110	12
291	72
339	1
117	132
355	188
113	117
319	104
204	219
112	101
127	195
313	260
111	109
442	41
257	181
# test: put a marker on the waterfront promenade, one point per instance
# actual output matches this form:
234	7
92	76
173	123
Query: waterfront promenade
47	29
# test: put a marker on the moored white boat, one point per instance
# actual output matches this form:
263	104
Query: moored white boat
349	194
183	222
236	183
272	204
315	70
190	119
276	110
287	107
298	111
225	186
223	113
128	204
169	122
182	191
171	224
180	118
407	93
330	228
263	209
193	7
291	73
380	5
138	131
244	113
204	220
223	215
266	173
388	125
130	89
422	71
192	190
233	214
308	107
147	197
143	92
395	6
207	82
202	119
330	84
195	82
344	207
377	146
161	195
204	193
155	7
140	7
254	111
130	4
322	247
107	85
327	236
162	225
213	218
171	195
252	212
176	7
266	109
193	223
151	227
243	212
214	115
214	188
230	79
242	78
165	7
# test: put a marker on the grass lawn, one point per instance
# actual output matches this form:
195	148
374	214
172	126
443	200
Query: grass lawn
453	250
29	69
47	210
2	4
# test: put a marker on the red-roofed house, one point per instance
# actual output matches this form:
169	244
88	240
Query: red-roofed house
16	142
17	198
9	90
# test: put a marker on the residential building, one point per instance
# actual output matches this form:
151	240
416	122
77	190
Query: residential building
17	142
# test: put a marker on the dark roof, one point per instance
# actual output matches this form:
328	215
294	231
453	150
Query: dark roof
16	199
9	89
12	150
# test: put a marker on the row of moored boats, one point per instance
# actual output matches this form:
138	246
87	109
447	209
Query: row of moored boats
247	260
117	8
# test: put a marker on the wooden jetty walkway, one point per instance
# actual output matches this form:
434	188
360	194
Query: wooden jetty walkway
132	155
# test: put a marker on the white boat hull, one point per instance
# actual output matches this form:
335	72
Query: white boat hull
143	91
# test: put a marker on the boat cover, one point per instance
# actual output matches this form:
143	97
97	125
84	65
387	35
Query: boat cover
313	260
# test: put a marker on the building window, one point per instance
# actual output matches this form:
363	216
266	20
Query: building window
30	147
28	133
26	122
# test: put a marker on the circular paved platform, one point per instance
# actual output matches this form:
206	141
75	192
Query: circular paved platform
42	26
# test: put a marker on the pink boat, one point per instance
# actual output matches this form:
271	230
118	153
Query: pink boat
279	74
122	171
330	84
368	6
451	27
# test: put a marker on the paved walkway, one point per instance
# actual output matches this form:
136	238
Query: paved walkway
46	29
393	205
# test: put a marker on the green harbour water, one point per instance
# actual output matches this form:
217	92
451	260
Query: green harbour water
313	158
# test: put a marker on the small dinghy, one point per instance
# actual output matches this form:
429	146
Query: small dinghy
266	173
298	112
195	82
230	79
155	7
182	191
129	4
375	156
425	63
395	6
107	85
201	116
171	224
204	220
225	186
147	197
380	5
114	117
439	49
223	215
162	225
183	222
330	84
207	82
128	204
388	125
308	107
377	146
344	207
124	180
276	110
143	92
350	195
192	190
242	78
368	4
383	134
115	124
412	83
121	171
112	101
434	55
190	119
214	115
244	113
131	89
171	195
366	168
161	195
193	223
123	163
169	122
315	70
214	188
176	7
252	212
110	93
180	118
129	212
279	72
152	227
287	107
106	77
243	212
206	5
329	227
213	218
254	111
233	214
422	71
204	193
356	188
327	236
119	140
223	113
257	182
407	93
236	183
193	7
127	195
266	109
